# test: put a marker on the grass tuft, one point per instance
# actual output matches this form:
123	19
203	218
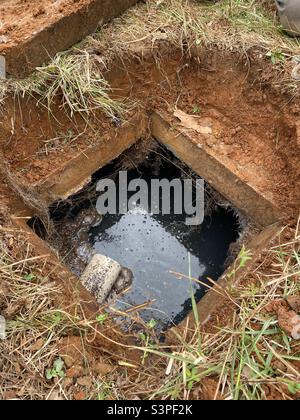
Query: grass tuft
73	81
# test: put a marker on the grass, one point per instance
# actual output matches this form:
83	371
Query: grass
234	25
74	82
26	300
36	321
38	316
250	358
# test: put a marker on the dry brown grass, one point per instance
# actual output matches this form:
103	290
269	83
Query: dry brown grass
251	357
25	299
37	319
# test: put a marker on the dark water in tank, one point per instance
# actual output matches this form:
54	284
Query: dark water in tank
153	245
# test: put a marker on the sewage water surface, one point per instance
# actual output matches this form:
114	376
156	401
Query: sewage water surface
154	246
150	245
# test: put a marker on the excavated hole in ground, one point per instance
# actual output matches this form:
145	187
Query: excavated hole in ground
153	246
248	156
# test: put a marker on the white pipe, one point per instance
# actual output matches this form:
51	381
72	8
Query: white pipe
100	276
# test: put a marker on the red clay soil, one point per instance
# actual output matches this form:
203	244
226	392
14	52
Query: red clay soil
251	136
32	31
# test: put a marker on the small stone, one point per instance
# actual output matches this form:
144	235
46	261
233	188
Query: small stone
103	368
85	381
75	372
289	322
79	396
3	39
294	303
